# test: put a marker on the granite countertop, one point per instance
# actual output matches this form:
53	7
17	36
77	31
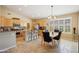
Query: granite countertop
7	31
13	31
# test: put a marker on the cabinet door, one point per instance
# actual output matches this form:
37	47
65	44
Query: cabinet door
8	22
17	21
3	21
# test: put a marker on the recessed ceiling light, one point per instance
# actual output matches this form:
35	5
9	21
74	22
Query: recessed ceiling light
25	5
20	9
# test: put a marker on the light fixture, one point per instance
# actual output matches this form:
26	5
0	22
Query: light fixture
51	17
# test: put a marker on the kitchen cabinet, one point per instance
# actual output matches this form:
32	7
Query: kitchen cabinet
5	21
16	21
8	22
7	40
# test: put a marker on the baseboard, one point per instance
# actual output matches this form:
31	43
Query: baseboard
7	48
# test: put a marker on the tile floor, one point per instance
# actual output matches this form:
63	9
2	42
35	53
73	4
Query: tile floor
35	47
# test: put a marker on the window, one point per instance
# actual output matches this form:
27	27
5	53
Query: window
62	24
61	28
67	28
67	25
56	27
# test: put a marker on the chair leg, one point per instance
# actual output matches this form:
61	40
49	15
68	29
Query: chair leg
58	42
42	42
52	43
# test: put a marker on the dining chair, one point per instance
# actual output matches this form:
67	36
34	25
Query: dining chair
47	38
57	38
56	30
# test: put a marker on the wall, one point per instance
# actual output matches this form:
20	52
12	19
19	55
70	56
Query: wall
42	22
74	24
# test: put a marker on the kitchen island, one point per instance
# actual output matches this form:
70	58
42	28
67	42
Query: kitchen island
7	40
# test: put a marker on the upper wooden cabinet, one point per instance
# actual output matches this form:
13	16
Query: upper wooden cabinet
16	20
5	22
8	22
2	19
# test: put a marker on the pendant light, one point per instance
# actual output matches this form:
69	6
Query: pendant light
51	14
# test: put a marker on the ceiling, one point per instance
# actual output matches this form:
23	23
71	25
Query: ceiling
42	11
